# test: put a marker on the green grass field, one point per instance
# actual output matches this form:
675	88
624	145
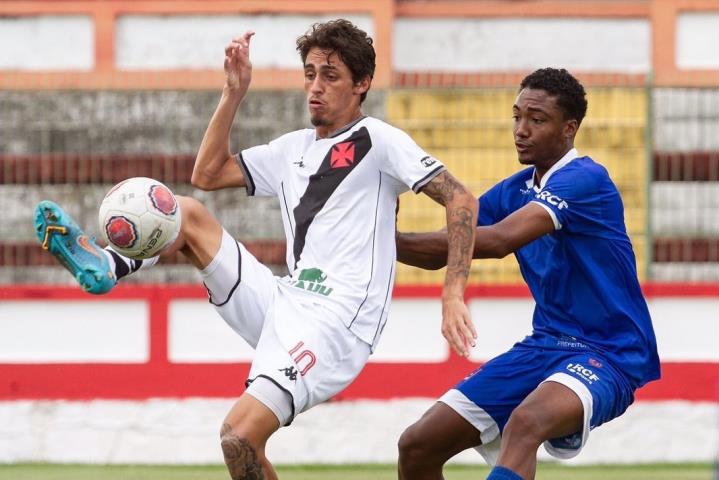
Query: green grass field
352	472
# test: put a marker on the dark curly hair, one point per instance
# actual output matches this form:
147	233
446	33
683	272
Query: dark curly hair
352	45
558	82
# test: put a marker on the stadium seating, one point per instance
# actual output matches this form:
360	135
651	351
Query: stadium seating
470	131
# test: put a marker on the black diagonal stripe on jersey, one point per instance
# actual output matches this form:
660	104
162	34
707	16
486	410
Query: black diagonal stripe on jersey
322	185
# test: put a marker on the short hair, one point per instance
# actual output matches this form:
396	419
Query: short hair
352	45
571	97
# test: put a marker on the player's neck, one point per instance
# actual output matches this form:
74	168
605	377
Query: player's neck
335	129
541	170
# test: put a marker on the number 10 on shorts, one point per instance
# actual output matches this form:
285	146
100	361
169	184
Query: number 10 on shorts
304	359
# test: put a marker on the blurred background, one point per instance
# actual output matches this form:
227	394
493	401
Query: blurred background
96	91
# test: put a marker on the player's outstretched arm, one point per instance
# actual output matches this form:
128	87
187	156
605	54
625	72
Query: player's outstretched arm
215	166
428	250
515	231
457	326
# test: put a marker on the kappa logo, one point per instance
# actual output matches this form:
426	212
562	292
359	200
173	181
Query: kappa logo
311	279
584	373
343	155
121	231
428	161
163	199
290	372
552	199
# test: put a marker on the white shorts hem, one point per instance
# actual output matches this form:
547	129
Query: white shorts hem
585	396
274	397
479	419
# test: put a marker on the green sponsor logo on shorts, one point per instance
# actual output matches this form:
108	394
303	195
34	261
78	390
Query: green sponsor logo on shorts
311	279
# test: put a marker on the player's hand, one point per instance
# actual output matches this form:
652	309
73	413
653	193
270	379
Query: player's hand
457	326
238	69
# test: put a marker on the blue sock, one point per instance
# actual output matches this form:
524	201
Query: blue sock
503	473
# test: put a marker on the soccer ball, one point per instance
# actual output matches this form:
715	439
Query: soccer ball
139	217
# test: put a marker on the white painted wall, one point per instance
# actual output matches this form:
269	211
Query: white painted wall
47	42
160	42
74	332
511	44
410	334
413	332
118	331
197	334
697	39
187	431
500	323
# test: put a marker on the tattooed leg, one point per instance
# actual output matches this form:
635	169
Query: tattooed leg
240	456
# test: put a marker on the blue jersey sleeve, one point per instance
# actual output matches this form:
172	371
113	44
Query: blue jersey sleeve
580	200
489	206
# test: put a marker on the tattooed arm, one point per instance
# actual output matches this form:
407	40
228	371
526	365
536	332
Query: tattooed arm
461	207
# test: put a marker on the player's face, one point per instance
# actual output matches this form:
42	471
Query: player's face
333	97
541	134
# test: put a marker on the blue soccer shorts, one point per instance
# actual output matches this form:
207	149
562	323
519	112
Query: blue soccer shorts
488	396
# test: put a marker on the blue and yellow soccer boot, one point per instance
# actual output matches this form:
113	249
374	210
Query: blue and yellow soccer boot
60	235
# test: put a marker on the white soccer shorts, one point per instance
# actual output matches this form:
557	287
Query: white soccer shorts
302	348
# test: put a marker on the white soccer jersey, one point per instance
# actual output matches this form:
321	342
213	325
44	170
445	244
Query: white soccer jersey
338	197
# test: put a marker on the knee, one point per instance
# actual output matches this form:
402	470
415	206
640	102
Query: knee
197	221
243	458
524	426
413	447
192	210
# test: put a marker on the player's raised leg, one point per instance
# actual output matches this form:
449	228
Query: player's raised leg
200	234
97	270
60	235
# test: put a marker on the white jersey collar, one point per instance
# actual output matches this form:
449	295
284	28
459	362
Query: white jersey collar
342	130
568	157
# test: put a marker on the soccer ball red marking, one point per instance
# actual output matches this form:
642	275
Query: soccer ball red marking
121	232
163	200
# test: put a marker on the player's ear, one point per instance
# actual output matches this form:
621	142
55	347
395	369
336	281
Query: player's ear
363	85
570	128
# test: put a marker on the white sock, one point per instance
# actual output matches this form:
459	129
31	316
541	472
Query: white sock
123	266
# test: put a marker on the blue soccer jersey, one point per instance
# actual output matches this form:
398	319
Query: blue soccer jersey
583	276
